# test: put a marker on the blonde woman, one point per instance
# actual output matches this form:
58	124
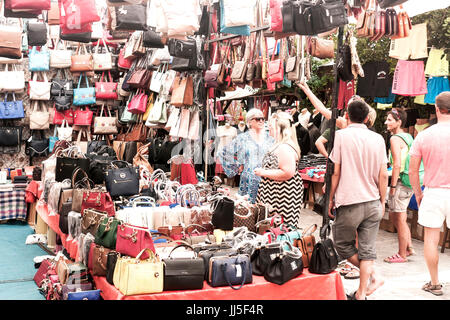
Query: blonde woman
281	186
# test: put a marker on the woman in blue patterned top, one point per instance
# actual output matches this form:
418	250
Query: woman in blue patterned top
245	153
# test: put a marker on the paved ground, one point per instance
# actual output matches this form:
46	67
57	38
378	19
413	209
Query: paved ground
403	281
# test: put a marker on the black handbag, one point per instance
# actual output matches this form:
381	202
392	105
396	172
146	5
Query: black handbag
390	3
101	160
64	217
37	33
206	255
230	271
131	17
183	64
37	145
285	266
61	82
151	39
66	165
95	146
183	273
182	48
122	181
10	136
302	22
344	66
223	213
111	261
63	101
263	256
288	16
327	15
83	37
324	258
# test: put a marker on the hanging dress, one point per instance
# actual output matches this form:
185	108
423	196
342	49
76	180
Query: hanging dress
285	197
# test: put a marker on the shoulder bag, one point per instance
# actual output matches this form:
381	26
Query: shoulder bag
10	42
122	181
306	244
13	80
106	90
39	119
102	61
106	235
11	109
132	240
37	34
321	48
99	259
286	266
183	91
39	90
230	271
84	96
105	124
98	200
81	62
90	220
131	17
138	103
275	71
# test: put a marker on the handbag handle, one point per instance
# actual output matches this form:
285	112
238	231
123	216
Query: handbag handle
185	245
75	174
151	255
244	274
310	230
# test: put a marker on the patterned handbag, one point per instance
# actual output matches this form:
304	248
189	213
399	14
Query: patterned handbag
245	217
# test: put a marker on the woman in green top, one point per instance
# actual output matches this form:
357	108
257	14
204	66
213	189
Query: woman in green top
400	192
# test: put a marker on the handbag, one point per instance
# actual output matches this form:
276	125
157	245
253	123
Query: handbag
83	117
84	96
81	62
12	81
84	295
77	13
366	20
182	48
11	42
65	131
90	220
53	14
102	61
151	39
37	34
78	287
99	260
223	213
157	78
58	116
106	90
263	256
104	124
183	91
98	200
80	36
390	3
79	187
132	240
39	119
124	63
138	103
321	48
285	266
122	181
230	271
140	275
106	235
324	257
37	146
111	261
61	82
10	136
67	161
131	17
275	71
244	217
39	90
11	109
183	273
306	244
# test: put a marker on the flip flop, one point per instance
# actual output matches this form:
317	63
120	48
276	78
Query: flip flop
434	289
396	258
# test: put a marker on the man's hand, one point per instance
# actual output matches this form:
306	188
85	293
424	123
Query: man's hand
419	198
331	207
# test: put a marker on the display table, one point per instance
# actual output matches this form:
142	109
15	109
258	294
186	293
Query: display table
307	286
13	205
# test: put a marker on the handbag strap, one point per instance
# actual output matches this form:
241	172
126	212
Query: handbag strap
150	253
98	45
244	274
310	230
182	245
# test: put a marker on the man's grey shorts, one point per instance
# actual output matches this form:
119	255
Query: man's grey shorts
362	218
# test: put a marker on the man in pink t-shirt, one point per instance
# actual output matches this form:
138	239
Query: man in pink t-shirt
433	147
358	191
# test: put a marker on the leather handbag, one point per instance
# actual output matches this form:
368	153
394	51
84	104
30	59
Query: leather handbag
10	136
156	81
183	91
12	81
223	213
65	131
80	36
79	187
285	266
183	273
44	268
306	244
102	61
20	5
124	63
104	124
37	33
244	217
321	48
77	13
182	48
106	90
83	117
60	58
53	14
404	25
58	116
98	200
39	119
158	113
140	78
131	17
11	109
65	165
111	261
39	90
63	101
81	62
151	39
230	271
138	103
288	17
263	256
132	240
366	19
37	145
142	275
122	181
275	71
99	260
10	42
90	220
60	82
84	96
324	257
78	287
199	234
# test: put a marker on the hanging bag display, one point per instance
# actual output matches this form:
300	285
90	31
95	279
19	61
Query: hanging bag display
39	90
13	80
39	60
106	90
102	61
10	41
183	91
321	48
138	103
37	33
11	109
131	17
39	119
81	62
105	124
84	96
65	131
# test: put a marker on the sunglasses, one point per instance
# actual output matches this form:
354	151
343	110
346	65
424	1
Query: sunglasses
258	119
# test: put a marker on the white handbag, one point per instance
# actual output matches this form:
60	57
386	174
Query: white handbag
174	129
97	30
65	131
182	19
39	119
60	58
12	81
173	117
194	123
155	113
40	90
157	78
104	124
239	13
102	61
160	56
168	80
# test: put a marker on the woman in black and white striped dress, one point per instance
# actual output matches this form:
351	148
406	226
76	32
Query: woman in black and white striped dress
281	185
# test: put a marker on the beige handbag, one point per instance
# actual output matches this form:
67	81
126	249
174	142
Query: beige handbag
12	80
105	124
60	58
102	61
39	119
184	123
40	90
79	188
194	124
81	62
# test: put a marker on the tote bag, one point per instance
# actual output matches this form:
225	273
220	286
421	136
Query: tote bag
60	58
39	119
65	131
39	90
39	60
84	96
102	61
81	62
12	81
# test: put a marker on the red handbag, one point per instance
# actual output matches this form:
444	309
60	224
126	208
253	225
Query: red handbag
28	4
132	240
83	117
98	200
124	63
275	68
67	115
44	268
138	104
106	90
276	18
77	13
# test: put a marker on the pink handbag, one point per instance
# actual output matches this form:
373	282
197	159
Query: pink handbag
276	19
122	62
275	68
132	240
138	104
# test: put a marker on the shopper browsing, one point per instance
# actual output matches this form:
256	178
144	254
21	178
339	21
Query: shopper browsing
433	148
281	187
358	191
245	153
400	192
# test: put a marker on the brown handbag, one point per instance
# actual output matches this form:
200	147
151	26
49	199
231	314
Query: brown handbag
138	133
183	91
403	25
10	43
99	260
82	62
380	25
90	220
53	14
306	244
365	19
321	48
139	159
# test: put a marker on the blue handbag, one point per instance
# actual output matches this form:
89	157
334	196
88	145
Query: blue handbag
289	237
39	60
83	96
11	109
84	295
52	141
240	30
230	270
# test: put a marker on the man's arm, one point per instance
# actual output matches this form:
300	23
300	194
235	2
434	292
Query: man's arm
383	184
414	177
334	183
396	159
320	144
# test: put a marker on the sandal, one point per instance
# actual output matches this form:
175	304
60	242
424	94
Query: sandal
396	258
353	274
345	269
434	289
411	251
353	296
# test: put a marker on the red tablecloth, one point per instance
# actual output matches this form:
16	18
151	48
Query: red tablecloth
307	286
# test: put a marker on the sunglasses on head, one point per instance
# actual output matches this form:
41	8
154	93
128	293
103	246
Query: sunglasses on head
258	119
